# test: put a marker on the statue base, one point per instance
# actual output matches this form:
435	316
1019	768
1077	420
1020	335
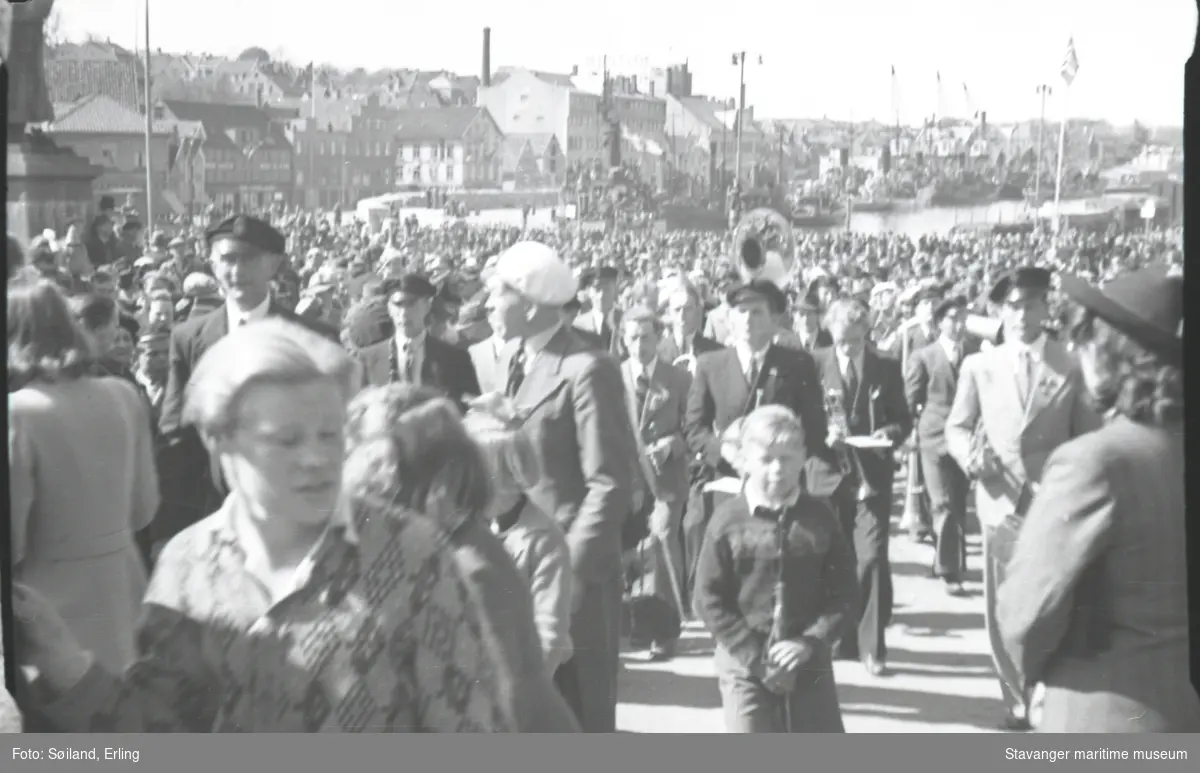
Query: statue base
48	186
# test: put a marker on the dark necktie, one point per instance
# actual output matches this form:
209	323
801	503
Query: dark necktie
516	371
410	358
752	376
851	379
641	391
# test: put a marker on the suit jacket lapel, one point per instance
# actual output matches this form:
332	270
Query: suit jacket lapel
735	380
215	327
542	375
630	387
1048	378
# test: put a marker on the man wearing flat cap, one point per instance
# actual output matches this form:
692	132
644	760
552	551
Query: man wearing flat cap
931	382
245	253
730	383
1015	404
571	398
603	319
412	355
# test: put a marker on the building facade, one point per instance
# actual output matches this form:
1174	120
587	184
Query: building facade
248	159
113	137
449	148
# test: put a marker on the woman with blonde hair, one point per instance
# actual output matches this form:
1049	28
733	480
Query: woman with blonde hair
81	475
411	453
284	611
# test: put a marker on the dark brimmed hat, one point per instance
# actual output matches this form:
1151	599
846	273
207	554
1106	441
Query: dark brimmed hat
250	230
412	285
759	289
1023	278
1146	305
953	302
596	275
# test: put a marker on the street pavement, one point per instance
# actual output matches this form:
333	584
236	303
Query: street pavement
942	679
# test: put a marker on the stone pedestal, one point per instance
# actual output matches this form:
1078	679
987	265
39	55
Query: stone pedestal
48	187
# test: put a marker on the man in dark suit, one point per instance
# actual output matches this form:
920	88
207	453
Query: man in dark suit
603	318
870	391
915	334
810	334
656	396
245	254
683	342
930	382
412	355
729	383
571	400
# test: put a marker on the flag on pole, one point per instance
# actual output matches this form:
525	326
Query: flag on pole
1070	65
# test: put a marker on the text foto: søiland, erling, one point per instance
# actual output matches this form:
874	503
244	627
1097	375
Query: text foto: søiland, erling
1050	755
93	754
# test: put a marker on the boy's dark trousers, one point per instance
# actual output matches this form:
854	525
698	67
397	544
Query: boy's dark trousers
749	707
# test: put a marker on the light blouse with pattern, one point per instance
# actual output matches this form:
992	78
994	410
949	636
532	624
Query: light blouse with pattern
379	635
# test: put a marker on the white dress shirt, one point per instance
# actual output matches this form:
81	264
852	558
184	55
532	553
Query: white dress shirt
637	369
416	348
747	358
754	501
534	344
843	360
1015	352
237	317
953	349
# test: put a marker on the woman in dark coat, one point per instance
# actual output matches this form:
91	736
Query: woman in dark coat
1095	604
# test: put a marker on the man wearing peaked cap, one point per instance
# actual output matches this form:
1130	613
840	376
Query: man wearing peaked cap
412	355
245	254
572	399
603	319
1014	405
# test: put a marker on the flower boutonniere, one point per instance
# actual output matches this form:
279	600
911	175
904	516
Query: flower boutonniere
655	400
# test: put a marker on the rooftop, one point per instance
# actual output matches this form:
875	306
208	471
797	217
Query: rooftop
439	123
100	114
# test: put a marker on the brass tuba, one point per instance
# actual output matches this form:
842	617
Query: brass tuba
764	247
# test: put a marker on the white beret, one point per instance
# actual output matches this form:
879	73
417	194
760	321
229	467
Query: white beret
536	272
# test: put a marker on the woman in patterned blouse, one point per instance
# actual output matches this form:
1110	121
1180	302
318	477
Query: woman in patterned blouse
411	452
283	611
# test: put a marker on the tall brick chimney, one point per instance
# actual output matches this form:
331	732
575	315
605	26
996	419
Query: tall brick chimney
486	76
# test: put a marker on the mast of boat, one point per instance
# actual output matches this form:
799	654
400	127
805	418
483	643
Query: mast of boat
149	126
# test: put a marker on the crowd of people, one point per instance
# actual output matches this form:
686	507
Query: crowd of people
329	477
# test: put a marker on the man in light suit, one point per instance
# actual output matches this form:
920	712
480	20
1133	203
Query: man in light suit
656	394
571	400
412	355
1014	405
930	384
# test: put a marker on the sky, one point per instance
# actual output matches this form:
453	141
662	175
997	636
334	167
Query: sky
818	59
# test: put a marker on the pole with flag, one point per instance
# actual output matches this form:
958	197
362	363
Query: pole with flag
149	127
1070	68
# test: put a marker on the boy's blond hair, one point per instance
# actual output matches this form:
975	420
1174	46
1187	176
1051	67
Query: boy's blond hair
766	426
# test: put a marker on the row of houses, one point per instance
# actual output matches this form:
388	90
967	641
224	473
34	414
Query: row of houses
245	155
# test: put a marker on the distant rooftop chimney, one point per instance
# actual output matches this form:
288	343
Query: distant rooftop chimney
485	77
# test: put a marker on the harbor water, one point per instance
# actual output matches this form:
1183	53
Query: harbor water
916	222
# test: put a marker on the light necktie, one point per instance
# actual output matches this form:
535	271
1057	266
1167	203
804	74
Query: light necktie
1026	375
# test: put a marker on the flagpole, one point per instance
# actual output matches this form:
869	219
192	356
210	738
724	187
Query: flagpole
1070	68
1062	141
149	129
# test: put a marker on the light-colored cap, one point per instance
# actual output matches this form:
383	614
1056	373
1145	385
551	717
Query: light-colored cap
536	272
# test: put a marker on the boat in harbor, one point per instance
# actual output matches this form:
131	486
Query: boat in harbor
815	212
877	205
